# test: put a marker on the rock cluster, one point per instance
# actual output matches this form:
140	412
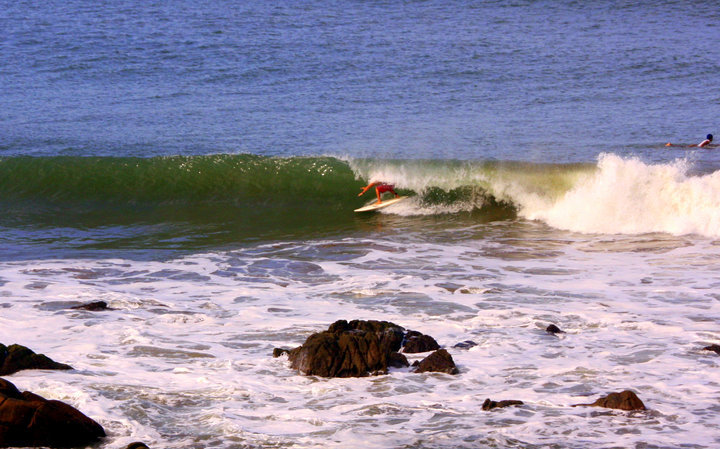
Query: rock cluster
360	348
27	419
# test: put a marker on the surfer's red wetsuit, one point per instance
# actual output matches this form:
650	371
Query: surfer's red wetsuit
382	188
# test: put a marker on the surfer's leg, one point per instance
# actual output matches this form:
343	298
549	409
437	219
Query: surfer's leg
377	192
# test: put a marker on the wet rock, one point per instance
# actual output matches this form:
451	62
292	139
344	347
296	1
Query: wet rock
277	352
490	404
552	329
14	358
625	400
353	353
439	361
137	445
714	348
398	360
360	348
27	419
390	334
467	344
96	306
416	342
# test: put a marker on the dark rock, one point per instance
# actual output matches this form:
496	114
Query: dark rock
390	334
439	361
715	348
353	353
277	352
14	358
8	389
625	400
552	329
27	419
416	342
137	445
360	348
489	404
398	360
411	334
467	344
93	306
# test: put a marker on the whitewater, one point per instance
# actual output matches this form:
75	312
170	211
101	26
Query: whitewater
620	195
184	359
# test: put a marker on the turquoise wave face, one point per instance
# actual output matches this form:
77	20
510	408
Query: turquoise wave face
250	182
223	199
176	179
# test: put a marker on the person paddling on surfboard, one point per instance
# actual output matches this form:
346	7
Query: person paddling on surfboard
380	188
704	143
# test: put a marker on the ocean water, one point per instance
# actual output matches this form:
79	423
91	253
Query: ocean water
196	166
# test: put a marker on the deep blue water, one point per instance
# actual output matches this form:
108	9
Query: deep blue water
545	81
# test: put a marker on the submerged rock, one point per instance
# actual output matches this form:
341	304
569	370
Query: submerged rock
277	352
27	419
490	404
552	329
714	348
137	445
439	361
625	400
467	344
96	306
15	358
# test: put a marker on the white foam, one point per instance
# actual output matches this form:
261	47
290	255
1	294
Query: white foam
628	196
185	360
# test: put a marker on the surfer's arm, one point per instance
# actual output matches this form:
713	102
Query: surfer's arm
368	187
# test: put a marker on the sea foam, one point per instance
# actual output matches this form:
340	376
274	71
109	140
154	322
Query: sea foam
628	196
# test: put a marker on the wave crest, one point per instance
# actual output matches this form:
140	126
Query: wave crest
628	196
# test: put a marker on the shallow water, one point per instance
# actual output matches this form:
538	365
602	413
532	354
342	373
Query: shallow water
185	359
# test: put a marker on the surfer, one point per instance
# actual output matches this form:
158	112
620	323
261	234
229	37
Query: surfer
380	188
704	143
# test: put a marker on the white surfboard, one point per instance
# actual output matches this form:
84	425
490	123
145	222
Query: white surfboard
376	206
